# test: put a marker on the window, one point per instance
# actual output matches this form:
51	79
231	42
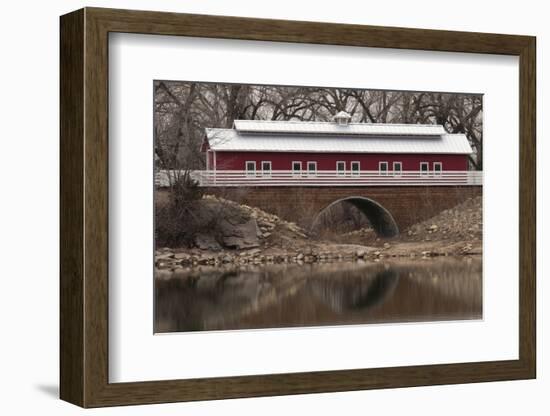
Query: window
266	168
250	168
355	168
424	168
383	168
341	168
296	168
397	168
311	168
438	167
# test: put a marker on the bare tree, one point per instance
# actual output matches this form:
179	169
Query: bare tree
184	109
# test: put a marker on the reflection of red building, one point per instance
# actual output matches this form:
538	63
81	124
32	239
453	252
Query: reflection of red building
260	147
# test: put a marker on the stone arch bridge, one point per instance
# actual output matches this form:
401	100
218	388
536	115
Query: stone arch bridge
390	209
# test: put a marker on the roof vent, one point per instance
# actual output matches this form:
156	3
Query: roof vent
342	118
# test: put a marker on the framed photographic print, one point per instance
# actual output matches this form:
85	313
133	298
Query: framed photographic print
256	207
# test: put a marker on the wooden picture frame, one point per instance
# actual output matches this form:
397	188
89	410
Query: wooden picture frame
84	207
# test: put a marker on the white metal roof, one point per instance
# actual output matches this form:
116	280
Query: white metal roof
320	127
233	140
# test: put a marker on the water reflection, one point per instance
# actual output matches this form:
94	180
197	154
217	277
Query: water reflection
355	293
319	294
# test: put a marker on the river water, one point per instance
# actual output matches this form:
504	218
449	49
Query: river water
275	296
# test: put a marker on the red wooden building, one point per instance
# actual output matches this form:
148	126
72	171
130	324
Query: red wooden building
339	148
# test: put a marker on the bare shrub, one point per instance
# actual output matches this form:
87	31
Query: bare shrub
177	218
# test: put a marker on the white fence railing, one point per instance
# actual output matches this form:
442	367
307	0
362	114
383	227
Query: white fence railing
210	178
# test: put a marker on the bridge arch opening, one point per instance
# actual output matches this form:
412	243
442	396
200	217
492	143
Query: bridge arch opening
379	217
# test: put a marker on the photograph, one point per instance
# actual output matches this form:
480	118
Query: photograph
258	204
283	206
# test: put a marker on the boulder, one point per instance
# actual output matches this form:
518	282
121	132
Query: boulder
240	235
182	256
165	256
207	242
252	252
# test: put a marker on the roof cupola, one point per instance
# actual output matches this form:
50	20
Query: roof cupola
342	118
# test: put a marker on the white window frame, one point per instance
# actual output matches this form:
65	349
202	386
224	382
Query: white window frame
264	172
438	173
400	171
250	172
427	171
355	172
311	173
296	172
380	171
338	171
